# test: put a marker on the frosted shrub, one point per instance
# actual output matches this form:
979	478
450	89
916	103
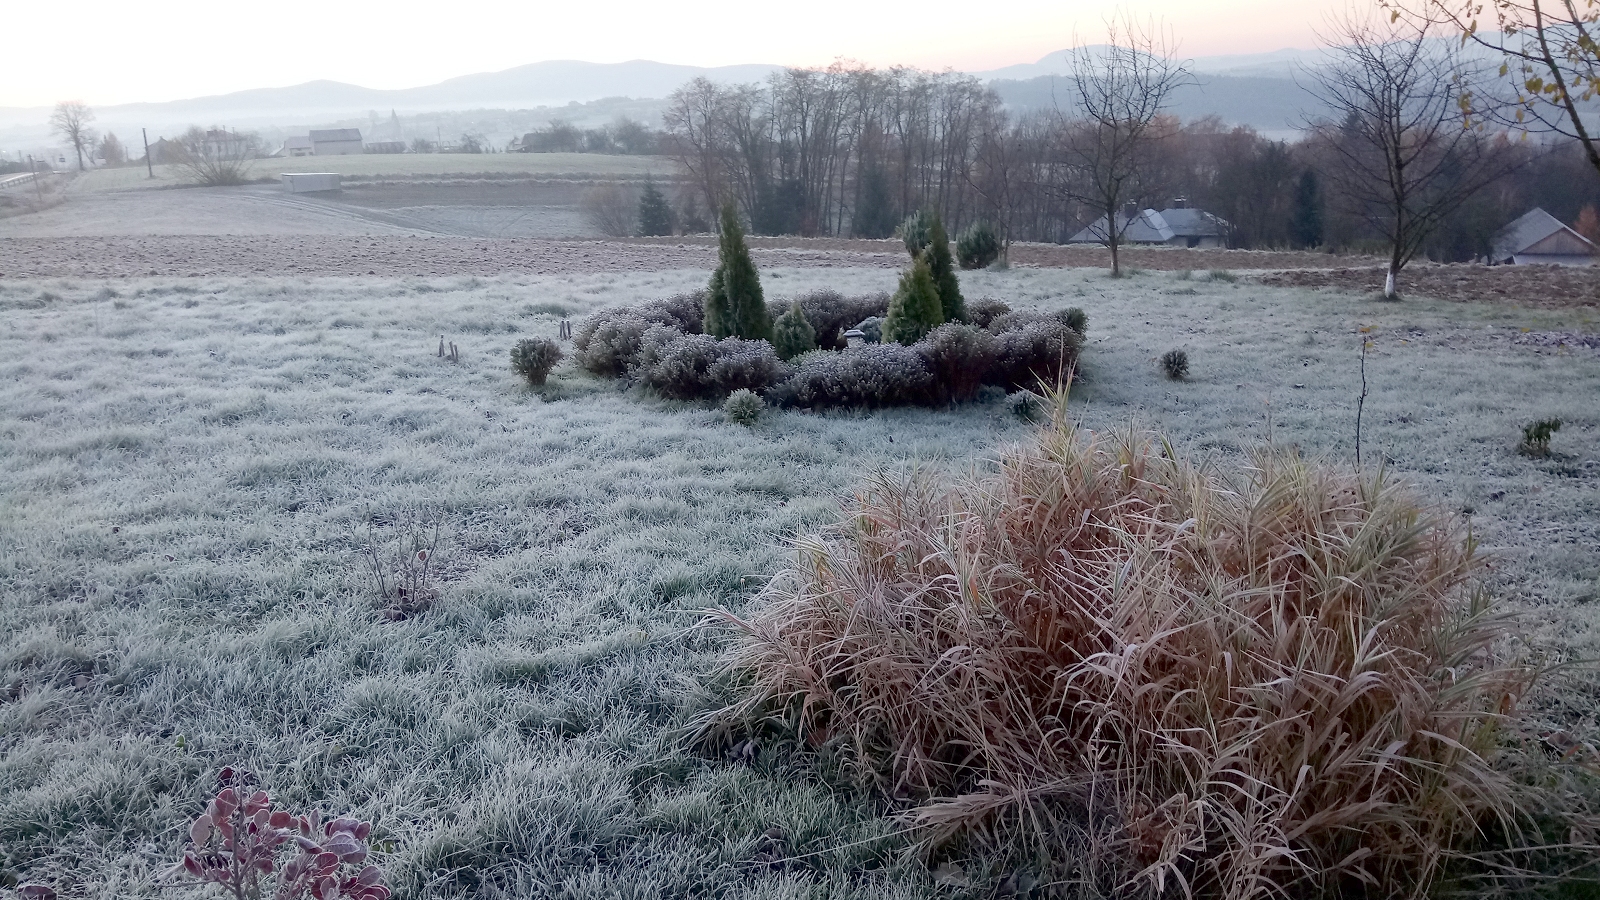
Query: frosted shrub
251	850
831	314
982	312
698	366
1039	353
608	341
743	407
871	376
533	358
959	356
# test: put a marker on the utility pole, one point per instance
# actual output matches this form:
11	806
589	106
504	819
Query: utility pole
37	188
147	166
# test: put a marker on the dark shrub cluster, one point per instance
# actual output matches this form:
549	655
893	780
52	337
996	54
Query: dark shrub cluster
1176	364
982	312
951	362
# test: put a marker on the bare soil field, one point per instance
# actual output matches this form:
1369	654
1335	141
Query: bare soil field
1550	287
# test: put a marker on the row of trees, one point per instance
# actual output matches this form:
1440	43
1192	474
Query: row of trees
1428	152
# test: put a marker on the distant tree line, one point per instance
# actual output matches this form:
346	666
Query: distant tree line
624	136
851	151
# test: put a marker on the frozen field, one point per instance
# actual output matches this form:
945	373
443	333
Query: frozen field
191	464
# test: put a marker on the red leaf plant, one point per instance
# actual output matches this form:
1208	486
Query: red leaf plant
255	851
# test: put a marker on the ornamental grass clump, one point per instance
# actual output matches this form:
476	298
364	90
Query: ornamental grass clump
1274	681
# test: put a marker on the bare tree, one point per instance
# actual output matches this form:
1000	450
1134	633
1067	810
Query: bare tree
1551	50
71	120
218	157
1408	152
612	208
1119	93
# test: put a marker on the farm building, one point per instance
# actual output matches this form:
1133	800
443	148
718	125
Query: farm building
295	145
336	142
1538	237
1176	226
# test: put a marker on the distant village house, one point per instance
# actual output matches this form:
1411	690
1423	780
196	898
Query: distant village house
1538	237
296	146
1176	226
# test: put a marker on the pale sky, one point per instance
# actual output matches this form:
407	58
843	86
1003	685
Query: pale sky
116	51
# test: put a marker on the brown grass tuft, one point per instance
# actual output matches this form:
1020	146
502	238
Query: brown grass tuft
1249	685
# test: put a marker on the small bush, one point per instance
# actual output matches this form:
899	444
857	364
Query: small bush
960	357
607	342
792	335
1038	354
743	407
685	312
1222	275
978	245
700	367
533	358
876	375
1278	681
1536	437
914	310
983	312
1176	364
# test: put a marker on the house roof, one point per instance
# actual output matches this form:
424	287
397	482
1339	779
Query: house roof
1536	231
1190	222
335	134
1151	227
1148	227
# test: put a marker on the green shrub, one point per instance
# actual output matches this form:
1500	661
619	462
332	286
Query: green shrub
914	232
978	245
960	357
1278	681
875	375
984	311
655	213
1036	355
914	310
743	407
1076	319
1176	364
1536	437
943	269
792	335
871	329
700	367
533	358
733	304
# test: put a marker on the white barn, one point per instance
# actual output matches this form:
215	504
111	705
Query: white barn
336	141
1538	237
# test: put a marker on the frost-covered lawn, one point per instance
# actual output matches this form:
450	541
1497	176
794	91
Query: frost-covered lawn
187	467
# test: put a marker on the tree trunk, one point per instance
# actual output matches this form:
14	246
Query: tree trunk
1389	292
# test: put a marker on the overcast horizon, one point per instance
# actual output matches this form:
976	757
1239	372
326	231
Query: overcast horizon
124	54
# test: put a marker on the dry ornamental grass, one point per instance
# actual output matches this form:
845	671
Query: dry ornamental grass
1240	685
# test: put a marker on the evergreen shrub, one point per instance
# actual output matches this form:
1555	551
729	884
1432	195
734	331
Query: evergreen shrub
943	268
734	306
700	367
743	407
978	246
831	313
914	310
792	335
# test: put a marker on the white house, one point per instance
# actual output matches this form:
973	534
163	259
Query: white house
336	141
1538	237
295	145
1176	226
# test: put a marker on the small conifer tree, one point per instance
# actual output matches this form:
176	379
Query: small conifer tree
1305	220
734	303
943	268
655	213
914	232
792	335
914	310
